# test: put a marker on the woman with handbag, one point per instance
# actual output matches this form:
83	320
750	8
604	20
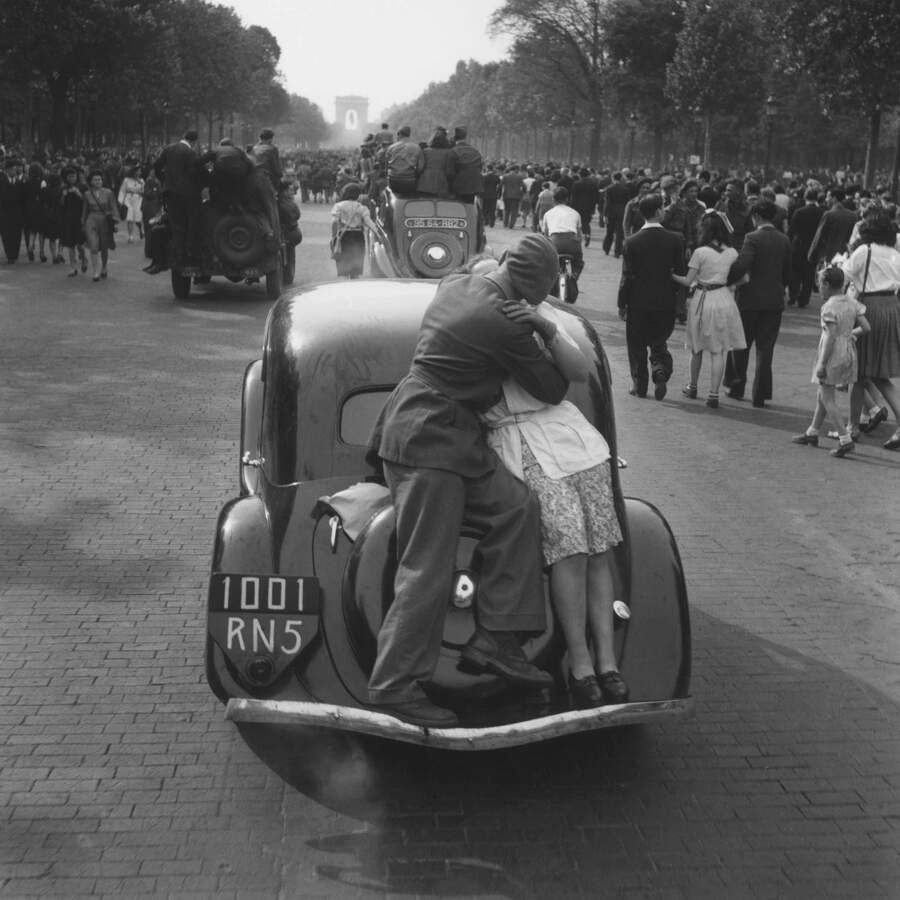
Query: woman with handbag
71	231
874	270
350	220
99	216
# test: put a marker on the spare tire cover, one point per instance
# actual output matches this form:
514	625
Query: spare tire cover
367	592
434	254
237	240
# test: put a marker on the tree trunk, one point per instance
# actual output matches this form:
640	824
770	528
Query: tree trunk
872	146
895	169
658	136
706	162
58	88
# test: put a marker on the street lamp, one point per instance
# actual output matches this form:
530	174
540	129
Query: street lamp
549	153
697	115
771	113
632	128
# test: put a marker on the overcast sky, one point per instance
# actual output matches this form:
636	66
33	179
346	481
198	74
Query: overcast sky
358	47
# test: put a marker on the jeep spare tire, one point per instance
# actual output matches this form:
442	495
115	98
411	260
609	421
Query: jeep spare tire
237	241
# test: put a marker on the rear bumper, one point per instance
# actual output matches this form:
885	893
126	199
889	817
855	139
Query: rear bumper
364	721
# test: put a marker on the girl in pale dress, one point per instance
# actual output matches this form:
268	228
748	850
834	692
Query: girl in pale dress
131	195
566	462
714	322
843	320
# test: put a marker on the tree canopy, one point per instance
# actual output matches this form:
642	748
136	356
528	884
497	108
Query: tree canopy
123	66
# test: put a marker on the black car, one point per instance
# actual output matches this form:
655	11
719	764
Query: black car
303	559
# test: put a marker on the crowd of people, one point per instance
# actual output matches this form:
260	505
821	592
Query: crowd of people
746	247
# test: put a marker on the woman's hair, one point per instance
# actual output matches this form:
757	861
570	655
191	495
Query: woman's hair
877	227
439	140
712	228
95	173
833	276
351	192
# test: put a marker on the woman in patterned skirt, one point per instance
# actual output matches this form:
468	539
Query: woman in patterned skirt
566	463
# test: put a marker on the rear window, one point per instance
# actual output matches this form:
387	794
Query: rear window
358	415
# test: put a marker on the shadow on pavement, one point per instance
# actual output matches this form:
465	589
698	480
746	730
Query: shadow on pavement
760	794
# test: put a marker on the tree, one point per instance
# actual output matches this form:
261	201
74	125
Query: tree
562	42
720	61
851	50
641	37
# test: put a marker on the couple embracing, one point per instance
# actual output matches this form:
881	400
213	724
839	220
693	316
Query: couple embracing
487	383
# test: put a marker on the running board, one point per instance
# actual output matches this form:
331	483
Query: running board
366	721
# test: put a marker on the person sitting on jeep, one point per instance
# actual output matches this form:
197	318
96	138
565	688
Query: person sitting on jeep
265	157
464	168
405	161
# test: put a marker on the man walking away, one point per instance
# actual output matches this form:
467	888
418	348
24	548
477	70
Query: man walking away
766	258
647	295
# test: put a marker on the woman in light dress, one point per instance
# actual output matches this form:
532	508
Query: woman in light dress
350	220
131	195
714	322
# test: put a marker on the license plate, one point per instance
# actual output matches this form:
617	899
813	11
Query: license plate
263	614
434	222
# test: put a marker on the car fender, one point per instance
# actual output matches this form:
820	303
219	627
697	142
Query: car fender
250	461
656	653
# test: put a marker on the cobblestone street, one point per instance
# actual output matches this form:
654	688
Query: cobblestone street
120	778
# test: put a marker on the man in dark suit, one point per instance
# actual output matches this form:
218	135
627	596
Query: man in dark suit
834	230
491	185
765	258
802	227
12	209
178	168
464	166
647	296
584	201
440	470
617	196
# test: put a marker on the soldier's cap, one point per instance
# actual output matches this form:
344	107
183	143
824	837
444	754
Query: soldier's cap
533	265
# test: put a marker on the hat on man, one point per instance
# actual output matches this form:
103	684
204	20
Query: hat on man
459	133
533	266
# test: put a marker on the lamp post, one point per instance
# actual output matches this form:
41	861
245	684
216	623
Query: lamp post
771	113
632	128
697	115
549	139
572	126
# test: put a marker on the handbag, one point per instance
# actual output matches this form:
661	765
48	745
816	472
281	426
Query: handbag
335	244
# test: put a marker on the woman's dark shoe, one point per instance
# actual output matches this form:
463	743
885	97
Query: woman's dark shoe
96	278
892	443
586	693
843	449
874	421
690	391
43	258
712	401
104	274
72	274
810	440
613	686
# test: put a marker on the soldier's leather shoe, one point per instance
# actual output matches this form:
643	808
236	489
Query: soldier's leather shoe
499	652
419	712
